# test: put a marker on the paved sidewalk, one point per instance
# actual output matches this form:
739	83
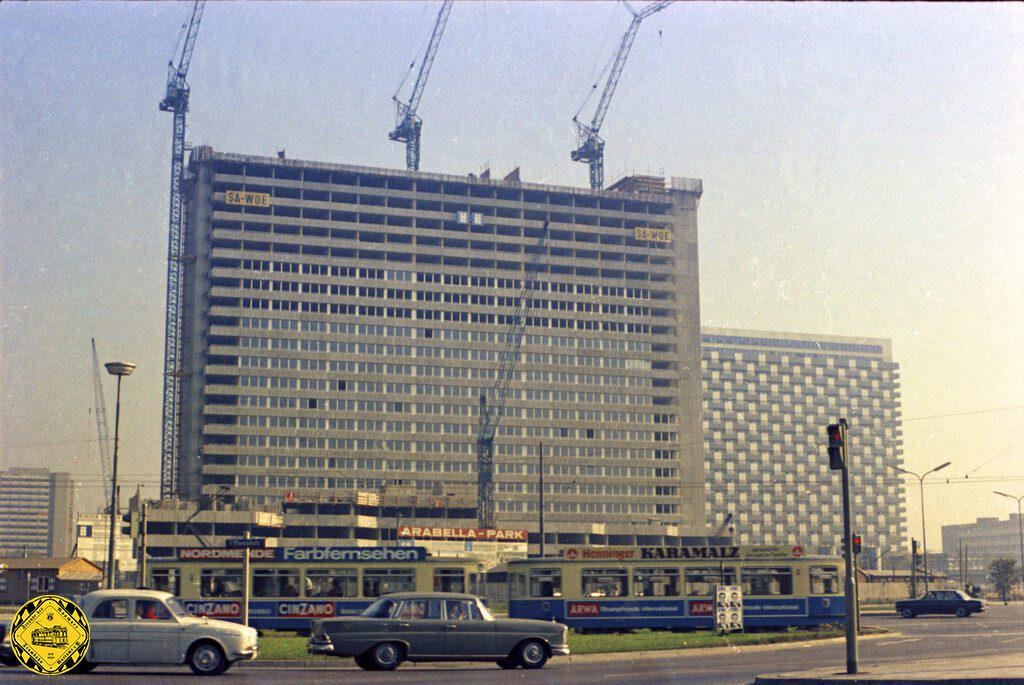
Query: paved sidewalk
990	670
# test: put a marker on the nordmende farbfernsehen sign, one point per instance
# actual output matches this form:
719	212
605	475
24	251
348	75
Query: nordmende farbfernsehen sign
305	554
483	534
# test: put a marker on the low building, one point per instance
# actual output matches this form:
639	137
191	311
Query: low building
22	578
92	541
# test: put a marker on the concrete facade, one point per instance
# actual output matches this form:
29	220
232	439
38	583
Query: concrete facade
92	538
37	510
342	322
768	397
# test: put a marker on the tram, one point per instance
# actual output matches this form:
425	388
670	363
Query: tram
621	588
291	585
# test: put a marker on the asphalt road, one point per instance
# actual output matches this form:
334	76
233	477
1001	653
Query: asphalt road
998	633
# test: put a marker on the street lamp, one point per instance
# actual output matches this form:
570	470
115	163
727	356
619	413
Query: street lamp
1020	527
119	369
924	534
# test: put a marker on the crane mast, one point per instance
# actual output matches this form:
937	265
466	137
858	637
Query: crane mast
490	414
407	124
102	427
175	100
589	144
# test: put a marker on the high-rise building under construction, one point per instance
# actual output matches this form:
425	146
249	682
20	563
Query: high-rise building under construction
341	322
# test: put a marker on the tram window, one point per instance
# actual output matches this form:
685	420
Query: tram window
332	582
605	582
656	582
275	582
478	583
449	580
381	581
768	581
220	582
701	582
167	580
545	582
824	580
516	585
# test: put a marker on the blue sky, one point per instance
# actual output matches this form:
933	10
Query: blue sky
862	166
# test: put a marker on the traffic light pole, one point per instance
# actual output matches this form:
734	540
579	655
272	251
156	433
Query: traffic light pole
851	579
838	459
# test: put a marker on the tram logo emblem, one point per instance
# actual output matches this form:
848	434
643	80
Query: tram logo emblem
571	553
798	551
50	635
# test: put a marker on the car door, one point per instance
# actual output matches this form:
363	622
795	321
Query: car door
466	631
419	623
109	629
155	635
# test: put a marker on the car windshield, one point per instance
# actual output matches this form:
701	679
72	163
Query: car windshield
175	606
379	609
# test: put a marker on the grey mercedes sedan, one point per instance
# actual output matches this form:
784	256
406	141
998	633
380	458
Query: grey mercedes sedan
436	626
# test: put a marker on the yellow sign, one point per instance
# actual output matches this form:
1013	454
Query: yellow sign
661	235
50	635
244	197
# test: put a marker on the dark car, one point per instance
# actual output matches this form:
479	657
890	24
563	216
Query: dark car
436	626
7	657
940	602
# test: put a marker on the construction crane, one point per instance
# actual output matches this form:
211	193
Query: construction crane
102	427
176	101
490	414
589	144
407	123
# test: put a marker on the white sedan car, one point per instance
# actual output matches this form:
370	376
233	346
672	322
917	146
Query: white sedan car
149	627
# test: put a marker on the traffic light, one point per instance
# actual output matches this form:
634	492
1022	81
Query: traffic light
129	529
836	438
856	543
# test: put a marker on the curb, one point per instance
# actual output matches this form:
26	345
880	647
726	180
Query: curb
882	680
335	662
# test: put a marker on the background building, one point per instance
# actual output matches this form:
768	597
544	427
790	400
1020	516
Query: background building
982	542
36	512
22	578
92	538
341	323
767	400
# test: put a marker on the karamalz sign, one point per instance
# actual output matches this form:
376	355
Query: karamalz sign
725	552
249	199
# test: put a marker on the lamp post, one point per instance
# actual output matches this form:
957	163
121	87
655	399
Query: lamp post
924	535
119	369
1020	528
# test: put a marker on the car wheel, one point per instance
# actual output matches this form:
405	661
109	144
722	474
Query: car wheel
206	658
907	613
531	654
963	612
507	664
363	662
387	656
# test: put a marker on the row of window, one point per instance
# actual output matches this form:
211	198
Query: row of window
311	582
674	582
489	338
